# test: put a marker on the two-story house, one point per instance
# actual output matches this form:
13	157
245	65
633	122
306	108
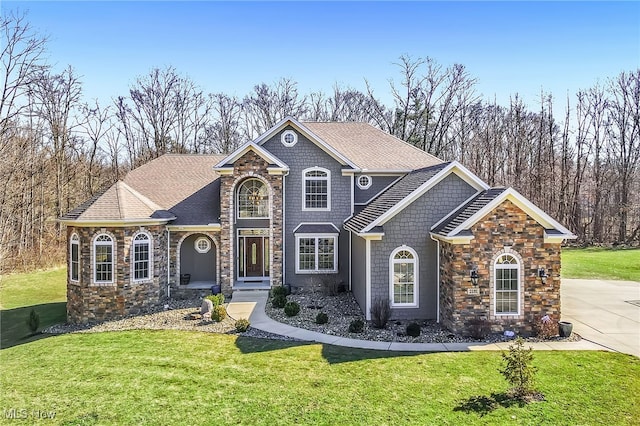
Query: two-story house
345	200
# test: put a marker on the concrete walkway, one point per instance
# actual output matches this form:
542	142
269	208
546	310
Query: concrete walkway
251	304
604	311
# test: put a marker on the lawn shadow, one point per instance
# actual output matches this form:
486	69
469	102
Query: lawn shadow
483	405
13	323
333	354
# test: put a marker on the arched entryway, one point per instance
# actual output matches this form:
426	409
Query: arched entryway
198	258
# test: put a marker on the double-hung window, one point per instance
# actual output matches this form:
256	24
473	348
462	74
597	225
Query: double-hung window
403	282
141	257
507	285
316	193
74	258
103	259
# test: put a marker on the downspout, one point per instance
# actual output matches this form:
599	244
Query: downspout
437	277
367	275
168	263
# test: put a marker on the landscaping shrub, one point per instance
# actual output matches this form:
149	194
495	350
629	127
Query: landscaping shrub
33	321
479	328
380	312
413	329
322	318
279	291
242	325
518	370
356	326
279	301
216	299
546	328
219	313
291	309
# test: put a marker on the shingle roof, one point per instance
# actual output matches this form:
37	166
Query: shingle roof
457	217
392	196
179	185
371	148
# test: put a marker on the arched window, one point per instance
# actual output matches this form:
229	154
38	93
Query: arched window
74	258
103	259
507	285
141	254
316	189
403	281
253	199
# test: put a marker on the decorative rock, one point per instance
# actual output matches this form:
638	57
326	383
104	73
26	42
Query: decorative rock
206	307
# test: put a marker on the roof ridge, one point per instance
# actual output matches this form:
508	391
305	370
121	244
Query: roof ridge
143	199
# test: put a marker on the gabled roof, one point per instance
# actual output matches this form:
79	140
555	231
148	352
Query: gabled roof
371	149
404	191
457	223
227	162
174	185
359	146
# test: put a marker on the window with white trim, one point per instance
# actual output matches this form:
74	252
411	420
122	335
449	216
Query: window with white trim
202	245
316	189
253	200
289	138
364	181
141	257
316	253
403	280
507	285
103	259
74	258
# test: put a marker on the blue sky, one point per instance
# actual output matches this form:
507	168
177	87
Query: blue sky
229	47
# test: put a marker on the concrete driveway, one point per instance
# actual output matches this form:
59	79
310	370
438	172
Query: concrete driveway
600	312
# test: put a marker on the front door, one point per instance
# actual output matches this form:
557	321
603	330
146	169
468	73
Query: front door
254	256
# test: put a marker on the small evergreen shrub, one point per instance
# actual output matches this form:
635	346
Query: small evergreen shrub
413	329
518	370
242	325
33	321
380	312
279	290
219	313
356	326
291	309
322	318
279	301
216	299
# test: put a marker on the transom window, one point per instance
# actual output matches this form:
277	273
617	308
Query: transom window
103	259
507	285
316	253
74	258
141	257
253	199
404	277
316	189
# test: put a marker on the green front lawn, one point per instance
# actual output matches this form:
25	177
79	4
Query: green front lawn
43	291
170	377
601	263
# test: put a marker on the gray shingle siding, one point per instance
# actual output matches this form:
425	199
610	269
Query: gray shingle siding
411	227
358	270
303	155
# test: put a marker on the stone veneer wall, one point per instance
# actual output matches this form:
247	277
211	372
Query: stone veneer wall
250	165
507	229
88	302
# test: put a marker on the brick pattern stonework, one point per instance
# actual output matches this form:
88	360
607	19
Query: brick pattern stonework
89	302
250	165
507	229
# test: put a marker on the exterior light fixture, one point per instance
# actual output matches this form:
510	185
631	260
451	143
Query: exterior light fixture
543	275
474	276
